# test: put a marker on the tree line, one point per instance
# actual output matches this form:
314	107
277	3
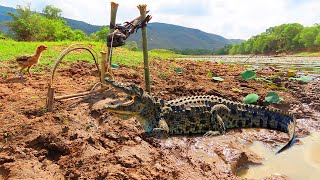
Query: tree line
48	25
285	38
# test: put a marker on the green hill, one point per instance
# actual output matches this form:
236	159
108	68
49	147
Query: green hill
160	35
74	24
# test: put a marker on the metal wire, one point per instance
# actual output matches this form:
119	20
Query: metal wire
71	48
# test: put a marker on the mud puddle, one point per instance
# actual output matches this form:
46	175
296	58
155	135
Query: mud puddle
302	64
299	162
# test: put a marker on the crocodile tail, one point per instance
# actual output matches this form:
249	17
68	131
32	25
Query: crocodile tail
292	136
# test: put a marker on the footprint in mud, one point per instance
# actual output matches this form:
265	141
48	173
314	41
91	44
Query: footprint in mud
32	113
50	146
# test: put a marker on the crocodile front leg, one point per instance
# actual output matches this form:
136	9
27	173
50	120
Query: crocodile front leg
162	131
217	120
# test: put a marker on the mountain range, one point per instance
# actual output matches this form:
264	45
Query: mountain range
160	35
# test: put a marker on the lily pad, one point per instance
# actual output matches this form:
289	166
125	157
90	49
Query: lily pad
272	97
305	79
248	74
217	79
251	98
179	71
114	66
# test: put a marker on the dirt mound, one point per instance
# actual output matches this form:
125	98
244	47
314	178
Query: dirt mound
78	140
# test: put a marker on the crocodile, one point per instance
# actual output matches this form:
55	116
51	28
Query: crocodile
204	114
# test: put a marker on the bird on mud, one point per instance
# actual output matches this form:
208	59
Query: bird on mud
29	61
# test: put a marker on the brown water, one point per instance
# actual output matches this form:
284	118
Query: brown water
302	64
299	162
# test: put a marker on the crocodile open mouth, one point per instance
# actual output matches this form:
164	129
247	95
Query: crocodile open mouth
122	107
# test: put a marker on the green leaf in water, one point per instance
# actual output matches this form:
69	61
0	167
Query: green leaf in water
305	79
247	75
209	74
272	97
217	79
251	98
179	71
114	66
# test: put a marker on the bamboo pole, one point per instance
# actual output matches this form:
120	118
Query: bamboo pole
103	66
143	12
113	16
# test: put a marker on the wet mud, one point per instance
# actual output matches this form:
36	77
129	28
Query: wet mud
78	141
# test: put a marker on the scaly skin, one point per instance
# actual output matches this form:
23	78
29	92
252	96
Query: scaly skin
201	114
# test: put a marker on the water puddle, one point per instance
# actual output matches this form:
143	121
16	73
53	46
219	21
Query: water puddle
302	64
299	162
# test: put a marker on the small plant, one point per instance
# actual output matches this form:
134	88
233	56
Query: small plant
291	73
263	80
179	71
232	67
251	98
163	76
4	74
43	110
220	63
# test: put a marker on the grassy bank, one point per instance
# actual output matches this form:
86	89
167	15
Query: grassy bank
9	50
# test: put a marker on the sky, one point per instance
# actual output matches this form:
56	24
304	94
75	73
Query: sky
237	19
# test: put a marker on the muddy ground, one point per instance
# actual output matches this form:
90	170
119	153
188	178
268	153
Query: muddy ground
78	142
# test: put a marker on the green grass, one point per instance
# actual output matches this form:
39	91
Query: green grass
10	49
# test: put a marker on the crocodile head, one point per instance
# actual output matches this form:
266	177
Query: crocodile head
141	103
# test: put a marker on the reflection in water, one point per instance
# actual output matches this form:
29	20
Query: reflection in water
300	162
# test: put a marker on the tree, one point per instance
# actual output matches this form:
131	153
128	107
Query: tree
101	35
51	12
317	41
49	26
21	24
132	45
308	36
78	35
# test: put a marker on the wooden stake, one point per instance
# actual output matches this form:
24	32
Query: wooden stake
143	12
103	66
50	98
113	16
79	94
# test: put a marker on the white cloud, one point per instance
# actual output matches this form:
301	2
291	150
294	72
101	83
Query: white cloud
229	18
